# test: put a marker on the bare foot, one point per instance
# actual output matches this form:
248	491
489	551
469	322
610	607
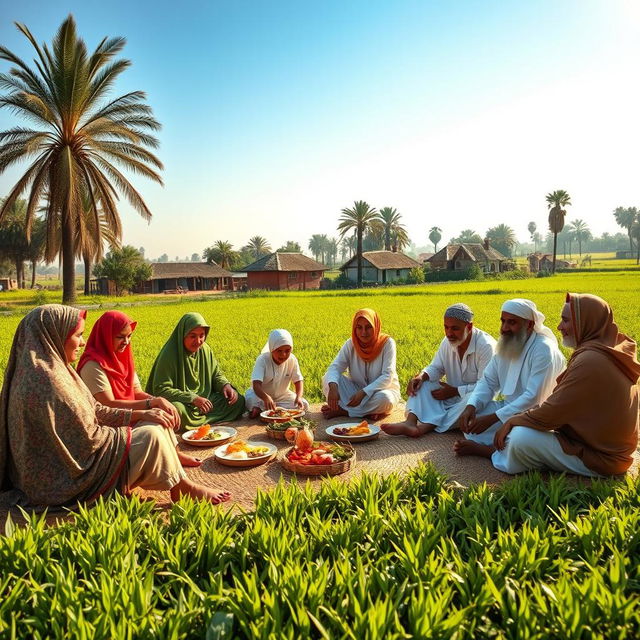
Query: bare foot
188	488
328	413
254	413
411	429
470	448
188	461
374	417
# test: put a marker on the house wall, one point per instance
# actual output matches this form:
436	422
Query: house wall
438	264
369	273
8	283
284	280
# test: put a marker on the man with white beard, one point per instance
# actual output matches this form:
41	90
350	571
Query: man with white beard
462	356
523	370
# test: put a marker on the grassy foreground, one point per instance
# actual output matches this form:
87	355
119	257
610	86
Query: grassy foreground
380	558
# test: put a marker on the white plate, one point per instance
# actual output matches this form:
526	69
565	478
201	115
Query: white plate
222	458
229	432
374	432
267	418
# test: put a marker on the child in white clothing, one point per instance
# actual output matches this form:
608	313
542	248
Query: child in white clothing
275	369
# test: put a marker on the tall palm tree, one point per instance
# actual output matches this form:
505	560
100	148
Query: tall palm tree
435	235
467	235
221	252
581	232
556	201
316	245
395	233
503	238
635	232
531	228
14	244
357	219
332	251
258	246
625	217
82	141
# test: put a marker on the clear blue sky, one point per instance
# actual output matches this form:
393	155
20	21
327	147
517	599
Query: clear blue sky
276	115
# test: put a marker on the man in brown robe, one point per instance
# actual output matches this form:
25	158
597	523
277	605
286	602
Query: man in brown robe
589	424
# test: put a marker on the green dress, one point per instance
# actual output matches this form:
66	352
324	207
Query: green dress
180	376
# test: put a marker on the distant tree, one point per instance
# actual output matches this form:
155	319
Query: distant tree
625	217
163	258
435	235
14	244
358	219
332	251
467	236
290	247
394	232
537	239
503	238
141	250
80	143
373	239
221	253
349	245
195	257
126	267
581	232
635	232
566	238
316	245
556	201
258	246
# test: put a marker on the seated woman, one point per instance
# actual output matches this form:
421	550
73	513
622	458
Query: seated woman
371	389
187	374
58	446
275	369
107	368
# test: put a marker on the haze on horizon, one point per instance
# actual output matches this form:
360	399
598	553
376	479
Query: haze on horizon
277	115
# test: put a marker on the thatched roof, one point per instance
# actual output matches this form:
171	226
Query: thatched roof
384	260
285	262
475	250
162	270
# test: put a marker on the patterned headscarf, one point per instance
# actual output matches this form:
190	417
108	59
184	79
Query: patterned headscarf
117	365
459	311
371	351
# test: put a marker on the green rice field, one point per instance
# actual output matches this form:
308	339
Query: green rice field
409	556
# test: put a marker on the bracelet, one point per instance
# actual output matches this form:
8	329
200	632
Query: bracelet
148	403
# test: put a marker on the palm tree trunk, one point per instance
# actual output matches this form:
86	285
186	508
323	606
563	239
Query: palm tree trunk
18	273
555	244
33	273
68	263
387	239
87	276
359	254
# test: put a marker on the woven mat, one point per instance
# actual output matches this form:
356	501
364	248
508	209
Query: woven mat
384	455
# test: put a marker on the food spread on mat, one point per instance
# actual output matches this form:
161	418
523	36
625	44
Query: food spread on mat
298	423
361	429
319	453
207	432
241	450
280	412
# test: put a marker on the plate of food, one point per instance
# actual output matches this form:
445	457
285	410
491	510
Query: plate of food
280	414
277	430
353	432
245	454
209	436
320	459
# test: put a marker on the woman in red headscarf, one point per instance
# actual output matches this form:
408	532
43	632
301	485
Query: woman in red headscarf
107	368
371	388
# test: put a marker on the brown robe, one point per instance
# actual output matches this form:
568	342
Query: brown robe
593	410
57	445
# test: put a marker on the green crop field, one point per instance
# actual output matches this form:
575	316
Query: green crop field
399	557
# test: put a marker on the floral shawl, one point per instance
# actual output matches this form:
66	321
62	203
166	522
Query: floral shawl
58	446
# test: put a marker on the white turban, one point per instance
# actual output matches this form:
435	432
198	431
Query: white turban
278	338
527	310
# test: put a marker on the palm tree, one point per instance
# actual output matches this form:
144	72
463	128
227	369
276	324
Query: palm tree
435	235
625	217
503	238
82	141
395	233
332	251
467	235
357	219
531	228
258	246
556	200
290	247
581	232
14	244
316	245
635	232
221	253
537	239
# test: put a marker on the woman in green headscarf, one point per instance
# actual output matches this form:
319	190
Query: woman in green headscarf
188	375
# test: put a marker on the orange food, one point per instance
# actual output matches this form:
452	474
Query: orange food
238	445
201	432
363	425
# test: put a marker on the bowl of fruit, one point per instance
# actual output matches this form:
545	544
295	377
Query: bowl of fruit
311	458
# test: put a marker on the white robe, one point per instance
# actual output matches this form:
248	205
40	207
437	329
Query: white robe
524	383
276	380
378	379
461	373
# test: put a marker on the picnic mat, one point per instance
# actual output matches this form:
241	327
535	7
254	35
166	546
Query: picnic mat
384	455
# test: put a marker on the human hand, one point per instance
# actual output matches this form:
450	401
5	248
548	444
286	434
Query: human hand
333	396
269	404
414	384
356	399
298	402
230	394
162	403
481	424
467	418
445	391
158	416
500	438
203	405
